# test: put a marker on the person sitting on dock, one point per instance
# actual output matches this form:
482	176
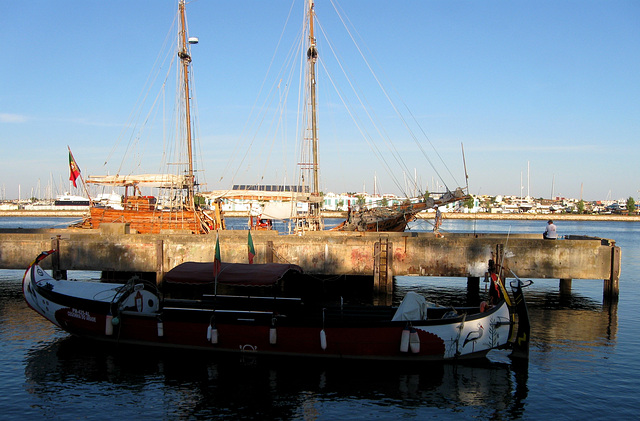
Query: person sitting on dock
550	233
437	222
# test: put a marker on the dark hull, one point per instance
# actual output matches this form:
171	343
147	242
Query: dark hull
267	325
71	203
396	222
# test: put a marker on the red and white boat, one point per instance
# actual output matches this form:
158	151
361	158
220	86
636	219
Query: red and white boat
136	313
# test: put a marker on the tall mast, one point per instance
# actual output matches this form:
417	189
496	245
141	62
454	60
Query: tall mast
312	57
186	60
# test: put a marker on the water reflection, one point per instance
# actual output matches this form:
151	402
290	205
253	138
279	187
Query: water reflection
70	378
228	387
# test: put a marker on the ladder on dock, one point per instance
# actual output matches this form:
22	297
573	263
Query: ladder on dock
382	281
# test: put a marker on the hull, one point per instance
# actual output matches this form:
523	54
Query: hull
394	222
397	223
148	221
394	218
134	314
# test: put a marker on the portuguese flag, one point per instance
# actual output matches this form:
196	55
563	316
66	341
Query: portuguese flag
252	250
74	170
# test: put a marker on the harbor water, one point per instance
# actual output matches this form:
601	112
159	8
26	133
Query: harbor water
584	360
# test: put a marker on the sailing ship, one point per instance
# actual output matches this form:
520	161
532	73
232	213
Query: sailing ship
394	218
176	208
307	217
138	313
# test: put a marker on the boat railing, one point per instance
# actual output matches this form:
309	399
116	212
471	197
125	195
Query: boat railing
153	315
252	297
237	303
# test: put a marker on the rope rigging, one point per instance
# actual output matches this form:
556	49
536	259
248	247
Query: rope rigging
263	134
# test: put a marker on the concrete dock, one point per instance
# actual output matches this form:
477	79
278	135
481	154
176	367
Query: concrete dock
380	255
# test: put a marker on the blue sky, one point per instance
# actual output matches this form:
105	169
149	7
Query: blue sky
549	86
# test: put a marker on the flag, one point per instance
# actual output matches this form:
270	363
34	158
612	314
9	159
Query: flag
252	251
74	170
217	263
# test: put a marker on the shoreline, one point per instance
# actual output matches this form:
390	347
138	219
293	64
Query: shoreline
536	217
449	215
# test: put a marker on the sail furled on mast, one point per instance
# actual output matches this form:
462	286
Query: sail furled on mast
142	180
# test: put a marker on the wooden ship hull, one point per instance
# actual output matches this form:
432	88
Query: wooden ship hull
143	217
394	218
149	221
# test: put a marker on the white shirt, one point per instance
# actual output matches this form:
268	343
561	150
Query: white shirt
550	232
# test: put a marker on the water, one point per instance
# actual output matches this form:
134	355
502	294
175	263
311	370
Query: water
584	361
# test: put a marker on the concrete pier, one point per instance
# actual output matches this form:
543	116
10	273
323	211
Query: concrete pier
380	255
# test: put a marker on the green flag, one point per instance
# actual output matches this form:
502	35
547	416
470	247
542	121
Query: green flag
252	250
217	262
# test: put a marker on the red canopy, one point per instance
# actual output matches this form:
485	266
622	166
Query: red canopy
231	273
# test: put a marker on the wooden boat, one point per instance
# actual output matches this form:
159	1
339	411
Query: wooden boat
394	218
377	219
145	214
137	313
178	209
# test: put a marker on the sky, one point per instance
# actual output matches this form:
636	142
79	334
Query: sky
544	96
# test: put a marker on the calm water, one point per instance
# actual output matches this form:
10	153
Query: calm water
584	361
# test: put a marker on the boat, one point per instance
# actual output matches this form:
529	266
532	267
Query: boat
305	213
68	199
195	315
394	218
177	208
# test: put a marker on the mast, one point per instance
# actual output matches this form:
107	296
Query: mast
466	175
312	57
186	60
314	217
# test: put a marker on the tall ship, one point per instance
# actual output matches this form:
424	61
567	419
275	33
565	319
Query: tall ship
395	218
305	212
177	206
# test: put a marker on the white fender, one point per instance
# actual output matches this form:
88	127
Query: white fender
108	326
214	335
404	340
323	339
160	328
273	336
414	341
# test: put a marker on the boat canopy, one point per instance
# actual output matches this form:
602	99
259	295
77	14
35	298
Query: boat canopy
231	273
413	307
147	180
